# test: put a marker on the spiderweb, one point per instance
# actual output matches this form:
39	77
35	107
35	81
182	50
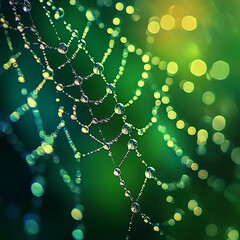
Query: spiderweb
81	95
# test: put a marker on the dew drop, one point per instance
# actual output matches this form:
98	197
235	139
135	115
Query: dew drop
119	108
84	98
146	219
150	172
117	172
127	128
111	88
122	183
132	144
127	193
85	129
78	80
59	13
27	6
59	87
82	44
48	73
98	68
135	207
62	48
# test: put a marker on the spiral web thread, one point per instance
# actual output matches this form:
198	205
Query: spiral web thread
92	128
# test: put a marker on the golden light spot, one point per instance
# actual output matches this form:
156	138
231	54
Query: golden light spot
153	119
140	83
154	27
129	10
235	155
156	228
208	98
172	68
76	214
218	138
165	100
192	204
188	87
180	124
191	130
220	70
167	22
47	148
164	186
72	2
155	60
131	48
169	81
203	174
172	115
162	65
21	79
157	95
218	123
138	92
194	166
233	234
177	217
170	143
171	222
31	102
144	75
189	23
116	21
145	58
197	211
123	40
165	88
198	67
109	30
147	67
15	116
119	6
202	135
211	230
169	199
158	102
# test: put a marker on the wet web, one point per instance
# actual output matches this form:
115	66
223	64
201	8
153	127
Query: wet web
93	103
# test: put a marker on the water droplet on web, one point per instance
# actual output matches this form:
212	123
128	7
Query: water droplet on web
20	27
111	88
85	129
122	183
82	44
135	207
127	128
59	87
119	108
84	98
127	193
78	80
150	172
62	48
59	13
98	68
27	6
48	73
132	144
146	219
117	172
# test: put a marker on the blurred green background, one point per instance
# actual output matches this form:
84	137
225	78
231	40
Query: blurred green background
160	28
